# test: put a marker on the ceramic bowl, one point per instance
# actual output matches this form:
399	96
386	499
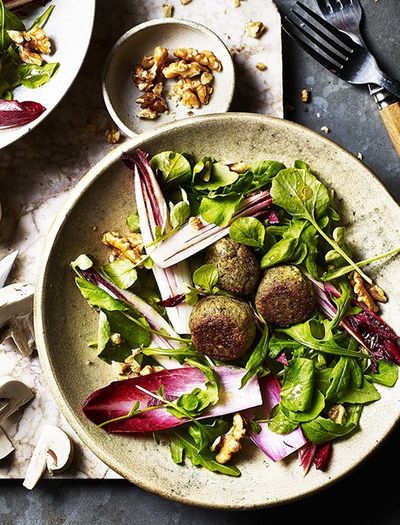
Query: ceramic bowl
65	324
120	92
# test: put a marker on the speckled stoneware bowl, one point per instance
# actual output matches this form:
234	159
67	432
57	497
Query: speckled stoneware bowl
65	324
120	92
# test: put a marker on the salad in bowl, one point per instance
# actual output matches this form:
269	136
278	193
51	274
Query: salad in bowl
232	309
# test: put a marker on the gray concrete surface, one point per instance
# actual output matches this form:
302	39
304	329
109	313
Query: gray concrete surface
367	496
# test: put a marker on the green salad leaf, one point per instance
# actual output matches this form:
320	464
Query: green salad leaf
279	423
133	222
216	176
174	167
386	374
122	272
33	76
315	408
220	209
248	231
8	22
298	384
365	394
97	297
321	430
256	359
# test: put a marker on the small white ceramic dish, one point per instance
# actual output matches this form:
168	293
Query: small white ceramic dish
69	49
120	92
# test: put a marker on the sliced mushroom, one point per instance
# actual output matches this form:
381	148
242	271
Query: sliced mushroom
13	395
54	451
16	303
6	446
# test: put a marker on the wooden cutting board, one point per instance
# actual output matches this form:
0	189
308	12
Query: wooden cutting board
37	172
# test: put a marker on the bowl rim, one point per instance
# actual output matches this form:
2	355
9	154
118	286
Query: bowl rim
50	377
228	67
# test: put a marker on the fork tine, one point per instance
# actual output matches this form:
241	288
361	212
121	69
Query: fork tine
342	37
288	28
328	40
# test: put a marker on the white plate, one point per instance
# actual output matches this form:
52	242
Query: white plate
69	28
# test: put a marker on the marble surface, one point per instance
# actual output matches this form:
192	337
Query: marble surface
37	172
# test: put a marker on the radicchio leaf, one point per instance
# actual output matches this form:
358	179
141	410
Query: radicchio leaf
322	456
275	446
117	398
14	113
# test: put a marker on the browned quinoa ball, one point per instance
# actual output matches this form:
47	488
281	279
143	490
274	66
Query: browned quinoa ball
237	265
284	296
222	327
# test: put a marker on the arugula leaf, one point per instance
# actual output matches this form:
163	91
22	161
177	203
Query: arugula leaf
33	76
8	21
174	167
177	451
365	394
42	20
219	209
204	434
277	345
97	297
133	222
264	171
298	384
316	407
321	430
122	273
386	375
248	231
279	423
204	458
343	302
103	332
217	176
340	379
303	334
256	359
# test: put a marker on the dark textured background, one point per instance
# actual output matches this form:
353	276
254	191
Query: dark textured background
368	496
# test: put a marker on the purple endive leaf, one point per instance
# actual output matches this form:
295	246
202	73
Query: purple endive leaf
275	446
306	456
14	113
117	399
198	234
323	456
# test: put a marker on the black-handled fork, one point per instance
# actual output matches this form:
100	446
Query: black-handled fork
345	58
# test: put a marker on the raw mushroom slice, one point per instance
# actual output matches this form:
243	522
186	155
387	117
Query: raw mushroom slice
16	303
13	395
6	446
53	452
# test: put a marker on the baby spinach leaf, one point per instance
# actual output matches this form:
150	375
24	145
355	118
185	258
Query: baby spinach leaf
256	359
282	251
316	407
323	379
298	384
133	222
217	177
386	375
131	333
203	458
103	332
122	272
174	167
179	214
264	171
177	450
300	193
321	430
206	277
33	76
248	231
220	209
365	394
279	423
97	297
340	379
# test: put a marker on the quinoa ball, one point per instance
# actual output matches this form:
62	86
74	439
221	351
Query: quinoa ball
237	265
222	327
284	296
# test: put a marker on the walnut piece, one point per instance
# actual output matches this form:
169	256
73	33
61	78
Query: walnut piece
192	93
337	413
148	72
148	114
367	293
261	66
255	29
204	58
229	443
112	134
239	167
196	223
130	247
305	96
150	100
30	44
168	10
131	368
181	68
185	2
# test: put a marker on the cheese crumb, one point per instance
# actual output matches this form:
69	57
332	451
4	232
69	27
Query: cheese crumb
325	129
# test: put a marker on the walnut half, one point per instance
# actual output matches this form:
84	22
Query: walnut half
367	293
130	247
229	443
